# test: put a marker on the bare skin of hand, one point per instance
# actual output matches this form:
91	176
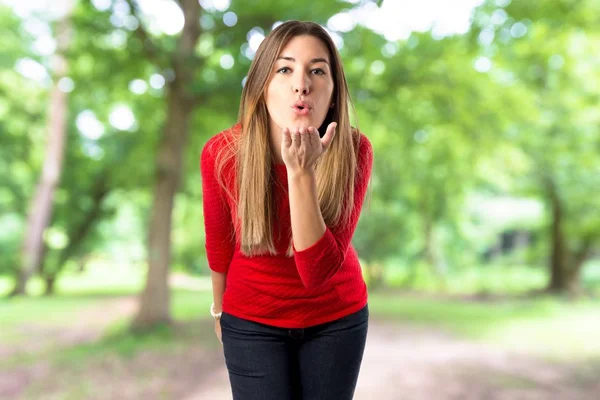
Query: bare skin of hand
218	329
302	147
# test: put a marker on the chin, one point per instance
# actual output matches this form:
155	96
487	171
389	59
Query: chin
306	122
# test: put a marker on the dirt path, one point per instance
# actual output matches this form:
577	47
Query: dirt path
414	364
85	327
401	362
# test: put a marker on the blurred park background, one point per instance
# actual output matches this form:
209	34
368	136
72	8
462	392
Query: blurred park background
480	238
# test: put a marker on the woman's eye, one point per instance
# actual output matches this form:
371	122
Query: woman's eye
283	70
318	71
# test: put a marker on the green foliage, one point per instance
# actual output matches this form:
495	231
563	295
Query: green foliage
446	131
22	111
553	56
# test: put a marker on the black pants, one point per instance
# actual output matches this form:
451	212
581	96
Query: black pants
317	363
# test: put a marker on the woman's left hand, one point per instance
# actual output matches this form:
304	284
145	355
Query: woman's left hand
301	148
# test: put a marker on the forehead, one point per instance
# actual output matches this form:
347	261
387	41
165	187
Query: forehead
305	46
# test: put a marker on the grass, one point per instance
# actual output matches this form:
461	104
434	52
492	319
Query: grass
545	325
77	294
99	279
139	361
549	326
192	327
51	311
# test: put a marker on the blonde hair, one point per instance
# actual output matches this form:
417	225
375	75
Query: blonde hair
335	170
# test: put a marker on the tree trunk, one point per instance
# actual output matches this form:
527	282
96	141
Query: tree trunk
40	208
78	233
49	281
430	251
557	257
577	260
155	298
561	281
565	263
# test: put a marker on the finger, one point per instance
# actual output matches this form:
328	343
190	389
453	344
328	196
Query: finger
295	138
286	140
303	133
313	135
329	135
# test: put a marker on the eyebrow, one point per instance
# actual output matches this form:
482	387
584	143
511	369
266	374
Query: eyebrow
313	61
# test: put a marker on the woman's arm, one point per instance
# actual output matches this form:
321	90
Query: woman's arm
318	250
218	226
300	149
307	221
219	281
218	230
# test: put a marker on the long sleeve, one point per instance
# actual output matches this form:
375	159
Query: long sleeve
218	226
318	263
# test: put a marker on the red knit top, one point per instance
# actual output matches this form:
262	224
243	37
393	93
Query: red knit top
319	284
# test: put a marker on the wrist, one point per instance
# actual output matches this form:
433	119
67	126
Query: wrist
214	312
301	174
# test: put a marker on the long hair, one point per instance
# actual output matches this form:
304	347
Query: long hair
335	169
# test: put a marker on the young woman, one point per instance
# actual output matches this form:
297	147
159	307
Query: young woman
283	190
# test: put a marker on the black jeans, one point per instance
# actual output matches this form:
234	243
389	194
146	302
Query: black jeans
317	363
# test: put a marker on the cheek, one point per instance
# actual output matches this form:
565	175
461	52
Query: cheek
273	96
327	91
275	103
327	96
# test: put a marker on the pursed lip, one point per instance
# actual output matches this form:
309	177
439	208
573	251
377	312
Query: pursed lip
301	104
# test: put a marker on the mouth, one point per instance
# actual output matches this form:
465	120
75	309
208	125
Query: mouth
301	108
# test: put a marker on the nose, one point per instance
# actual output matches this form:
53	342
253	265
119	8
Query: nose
301	90
301	85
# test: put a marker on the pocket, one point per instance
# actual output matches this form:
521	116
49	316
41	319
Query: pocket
225	319
232	323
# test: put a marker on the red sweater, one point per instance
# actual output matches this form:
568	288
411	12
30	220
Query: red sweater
319	284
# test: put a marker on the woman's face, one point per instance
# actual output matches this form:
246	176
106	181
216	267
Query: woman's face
299	92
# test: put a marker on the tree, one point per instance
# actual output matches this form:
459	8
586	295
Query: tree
40	208
183	96
551	50
25	104
433	118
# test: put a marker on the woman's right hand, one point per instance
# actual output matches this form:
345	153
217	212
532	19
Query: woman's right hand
218	329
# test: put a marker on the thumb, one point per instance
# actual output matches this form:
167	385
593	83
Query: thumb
329	135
